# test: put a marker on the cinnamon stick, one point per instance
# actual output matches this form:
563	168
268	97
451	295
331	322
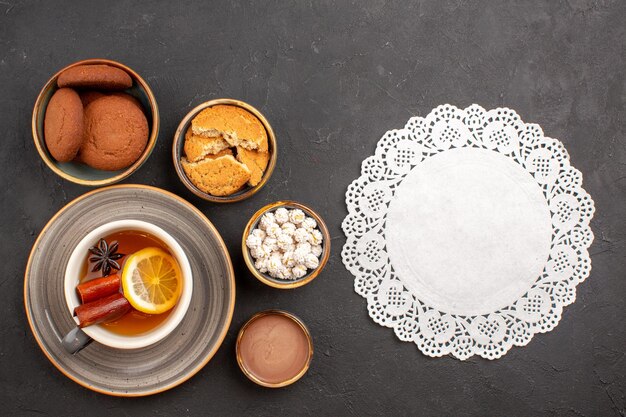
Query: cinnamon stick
98	288
102	310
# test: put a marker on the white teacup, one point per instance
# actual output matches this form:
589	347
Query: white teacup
74	341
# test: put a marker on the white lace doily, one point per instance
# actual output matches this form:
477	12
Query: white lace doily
468	231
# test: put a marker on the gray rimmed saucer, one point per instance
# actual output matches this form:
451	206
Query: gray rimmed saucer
183	352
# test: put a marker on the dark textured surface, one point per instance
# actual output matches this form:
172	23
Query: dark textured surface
332	77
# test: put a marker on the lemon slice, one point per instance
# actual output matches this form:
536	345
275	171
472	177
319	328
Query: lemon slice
152	281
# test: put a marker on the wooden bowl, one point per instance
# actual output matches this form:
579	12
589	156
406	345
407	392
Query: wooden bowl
284	284
80	173
179	142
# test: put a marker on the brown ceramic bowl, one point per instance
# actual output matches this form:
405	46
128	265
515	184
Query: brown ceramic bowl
241	361
80	173
283	283
178	152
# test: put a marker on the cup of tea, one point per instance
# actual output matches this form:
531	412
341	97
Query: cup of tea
104	263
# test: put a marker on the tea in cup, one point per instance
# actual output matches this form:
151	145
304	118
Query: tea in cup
128	284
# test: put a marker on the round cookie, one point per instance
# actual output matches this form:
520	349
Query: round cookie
116	133
63	125
95	76
238	126
130	98
89	96
220	176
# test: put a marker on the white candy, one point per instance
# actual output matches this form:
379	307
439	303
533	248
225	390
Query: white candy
253	241
301	235
288	259
309	223
274	263
270	244
266	220
299	255
273	230
289	248
268	252
288	228
260	252
284	273
311	261
284	242
298	271
273	272
259	233
261	265
305	245
316	237
316	250
281	215
278	272
296	216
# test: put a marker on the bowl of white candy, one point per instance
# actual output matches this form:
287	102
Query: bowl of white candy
286	244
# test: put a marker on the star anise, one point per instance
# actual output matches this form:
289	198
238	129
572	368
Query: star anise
105	257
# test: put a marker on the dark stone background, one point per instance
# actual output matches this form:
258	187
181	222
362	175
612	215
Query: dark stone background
332	77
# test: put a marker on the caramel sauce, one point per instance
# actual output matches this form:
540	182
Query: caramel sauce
134	322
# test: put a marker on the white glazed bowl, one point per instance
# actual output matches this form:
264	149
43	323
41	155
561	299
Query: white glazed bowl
73	274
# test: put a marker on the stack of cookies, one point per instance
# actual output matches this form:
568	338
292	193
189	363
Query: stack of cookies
226	149
90	120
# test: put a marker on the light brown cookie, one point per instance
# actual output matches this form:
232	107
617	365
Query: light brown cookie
89	96
63	125
255	161
225	152
128	97
220	177
102	77
198	147
238	126
116	133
